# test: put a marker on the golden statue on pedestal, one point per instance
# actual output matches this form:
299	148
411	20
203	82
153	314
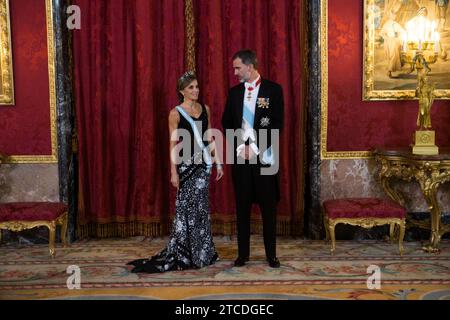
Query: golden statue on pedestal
424	137
426	98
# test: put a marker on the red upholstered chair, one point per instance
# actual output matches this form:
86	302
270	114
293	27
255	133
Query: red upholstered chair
18	216
366	213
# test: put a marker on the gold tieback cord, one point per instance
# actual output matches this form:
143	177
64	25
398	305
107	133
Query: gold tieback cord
190	34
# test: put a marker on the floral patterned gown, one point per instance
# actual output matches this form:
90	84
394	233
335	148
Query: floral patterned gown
190	243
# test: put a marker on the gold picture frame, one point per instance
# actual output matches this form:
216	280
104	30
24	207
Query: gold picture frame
53	157
379	57
6	64
324	153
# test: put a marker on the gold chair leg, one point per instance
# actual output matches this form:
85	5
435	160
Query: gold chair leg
391	231
332	235
327	233
64	230
51	241
401	236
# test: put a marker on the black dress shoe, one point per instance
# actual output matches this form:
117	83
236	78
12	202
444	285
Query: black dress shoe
273	262
239	262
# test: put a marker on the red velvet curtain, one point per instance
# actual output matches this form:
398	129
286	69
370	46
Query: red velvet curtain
276	30
128	56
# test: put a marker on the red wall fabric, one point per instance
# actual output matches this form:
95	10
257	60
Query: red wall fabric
25	127
354	125
128	57
272	29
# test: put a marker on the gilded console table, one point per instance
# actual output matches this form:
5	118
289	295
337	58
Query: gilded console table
429	171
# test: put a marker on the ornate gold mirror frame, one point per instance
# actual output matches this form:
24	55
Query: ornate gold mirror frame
6	64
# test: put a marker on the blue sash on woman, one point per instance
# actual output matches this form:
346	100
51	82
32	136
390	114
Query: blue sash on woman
198	138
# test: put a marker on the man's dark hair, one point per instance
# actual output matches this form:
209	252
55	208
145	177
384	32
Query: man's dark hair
247	56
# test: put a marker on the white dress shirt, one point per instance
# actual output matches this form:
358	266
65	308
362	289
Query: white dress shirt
250	98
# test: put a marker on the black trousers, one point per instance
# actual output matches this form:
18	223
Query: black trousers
251	187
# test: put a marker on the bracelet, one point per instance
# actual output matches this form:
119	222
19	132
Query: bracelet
218	166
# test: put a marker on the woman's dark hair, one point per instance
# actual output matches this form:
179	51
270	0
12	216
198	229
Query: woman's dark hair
247	56
184	81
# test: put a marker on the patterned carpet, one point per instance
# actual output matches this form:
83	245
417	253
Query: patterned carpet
307	271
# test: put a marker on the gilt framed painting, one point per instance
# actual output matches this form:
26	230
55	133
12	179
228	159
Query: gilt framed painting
394	30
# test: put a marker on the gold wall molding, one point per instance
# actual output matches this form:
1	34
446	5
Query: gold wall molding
53	158
324	153
6	62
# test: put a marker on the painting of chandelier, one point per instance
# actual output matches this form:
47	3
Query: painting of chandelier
421	45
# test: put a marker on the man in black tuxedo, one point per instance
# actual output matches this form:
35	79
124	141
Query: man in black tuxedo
254	113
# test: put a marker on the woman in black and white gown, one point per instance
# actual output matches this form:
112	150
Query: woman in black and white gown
191	243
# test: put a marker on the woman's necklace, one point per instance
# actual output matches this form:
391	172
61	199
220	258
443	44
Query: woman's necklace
192	111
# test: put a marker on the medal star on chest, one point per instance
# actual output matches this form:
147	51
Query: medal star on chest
263	103
265	122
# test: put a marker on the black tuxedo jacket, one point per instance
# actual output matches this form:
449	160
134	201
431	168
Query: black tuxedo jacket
269	115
